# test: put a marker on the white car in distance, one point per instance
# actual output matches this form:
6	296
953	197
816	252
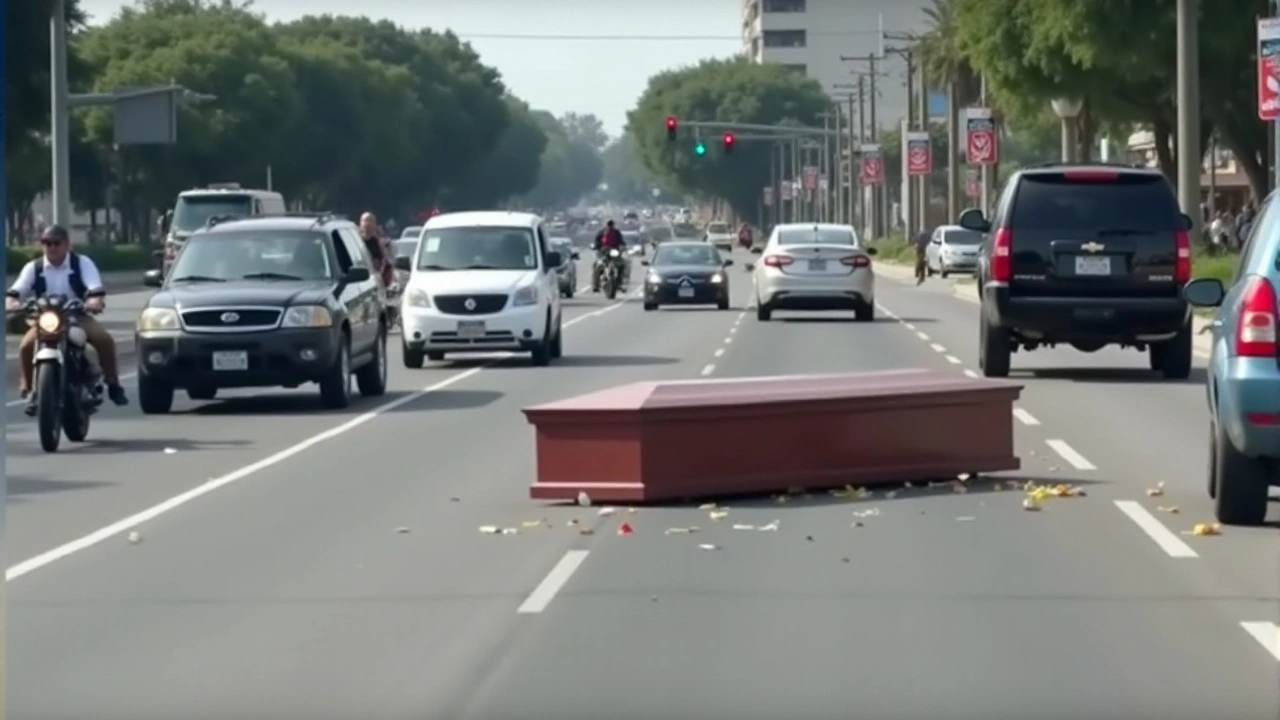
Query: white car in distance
482	282
814	267
720	235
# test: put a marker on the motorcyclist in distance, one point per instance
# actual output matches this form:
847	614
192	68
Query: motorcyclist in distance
609	238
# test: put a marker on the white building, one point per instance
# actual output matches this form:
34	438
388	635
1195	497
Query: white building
811	35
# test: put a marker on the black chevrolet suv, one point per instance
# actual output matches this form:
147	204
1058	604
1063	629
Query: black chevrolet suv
1087	256
268	301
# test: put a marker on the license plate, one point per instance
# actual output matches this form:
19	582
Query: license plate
1093	266
231	360
471	329
686	292
818	265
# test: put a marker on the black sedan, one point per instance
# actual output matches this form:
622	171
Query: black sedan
686	273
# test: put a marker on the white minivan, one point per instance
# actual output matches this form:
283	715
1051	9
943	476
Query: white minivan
481	282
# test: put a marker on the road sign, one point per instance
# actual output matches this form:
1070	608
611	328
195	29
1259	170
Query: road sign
872	165
973	184
785	191
810	175
768	196
918	155
1269	69
981	141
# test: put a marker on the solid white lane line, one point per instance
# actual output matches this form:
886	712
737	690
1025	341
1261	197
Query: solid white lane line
97	536
555	580
1149	524
922	336
1069	454
937	348
1267	634
953	359
1025	417
708	369
719	352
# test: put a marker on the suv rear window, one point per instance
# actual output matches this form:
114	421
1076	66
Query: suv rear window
1130	201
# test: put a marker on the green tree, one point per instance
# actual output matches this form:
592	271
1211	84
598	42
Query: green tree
510	169
569	169
586	129
629	181
721	91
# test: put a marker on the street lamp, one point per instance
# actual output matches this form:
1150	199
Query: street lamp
1068	110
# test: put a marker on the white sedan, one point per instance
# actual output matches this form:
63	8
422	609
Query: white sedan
814	267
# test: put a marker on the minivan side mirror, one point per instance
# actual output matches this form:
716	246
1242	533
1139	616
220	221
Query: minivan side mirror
357	275
1204	292
1186	223
728	262
973	219
757	250
152	278
553	260
404	263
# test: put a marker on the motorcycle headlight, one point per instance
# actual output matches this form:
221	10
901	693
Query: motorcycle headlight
50	322
717	278
613	253
527	295
307	316
158	319
417	298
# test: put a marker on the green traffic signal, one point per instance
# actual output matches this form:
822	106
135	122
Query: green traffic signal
700	149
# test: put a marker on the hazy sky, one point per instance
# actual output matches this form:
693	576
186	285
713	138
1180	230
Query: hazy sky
591	56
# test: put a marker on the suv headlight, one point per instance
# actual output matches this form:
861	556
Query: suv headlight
527	295
158	319
417	298
307	316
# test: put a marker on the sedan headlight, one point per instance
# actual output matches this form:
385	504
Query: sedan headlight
49	322
158	319
307	316
717	278
417	298
527	295
654	278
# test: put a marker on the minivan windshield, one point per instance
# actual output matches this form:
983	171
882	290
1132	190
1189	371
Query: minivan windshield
193	211
1137	202
253	255
478	248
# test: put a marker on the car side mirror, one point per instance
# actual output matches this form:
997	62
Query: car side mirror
973	219
152	278
871	251
404	263
165	221
645	263
1186	222
357	275
575	255
728	262
749	267
553	260
1204	292
757	251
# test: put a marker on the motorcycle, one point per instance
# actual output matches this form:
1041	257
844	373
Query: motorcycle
612	272
745	240
68	379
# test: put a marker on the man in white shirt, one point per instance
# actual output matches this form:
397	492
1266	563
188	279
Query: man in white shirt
62	272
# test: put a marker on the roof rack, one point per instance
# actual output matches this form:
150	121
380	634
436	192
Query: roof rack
319	217
220	219
1059	163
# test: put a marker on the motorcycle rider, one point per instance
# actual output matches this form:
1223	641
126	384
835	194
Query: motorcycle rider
744	236
609	238
63	272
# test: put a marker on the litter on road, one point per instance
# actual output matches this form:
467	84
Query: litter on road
1204	530
1156	491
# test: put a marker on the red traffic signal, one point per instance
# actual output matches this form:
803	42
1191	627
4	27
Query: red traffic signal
729	140
671	128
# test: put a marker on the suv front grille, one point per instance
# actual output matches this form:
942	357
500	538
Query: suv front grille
477	305
231	318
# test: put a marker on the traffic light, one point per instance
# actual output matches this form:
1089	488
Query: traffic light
672	125
728	143
700	149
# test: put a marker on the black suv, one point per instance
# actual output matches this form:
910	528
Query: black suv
1088	256
268	301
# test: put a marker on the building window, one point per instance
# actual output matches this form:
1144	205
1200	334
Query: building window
784	38
797	68
784	6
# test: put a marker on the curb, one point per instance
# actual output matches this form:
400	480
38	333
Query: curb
1201	344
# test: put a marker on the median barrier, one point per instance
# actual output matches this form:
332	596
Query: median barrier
667	441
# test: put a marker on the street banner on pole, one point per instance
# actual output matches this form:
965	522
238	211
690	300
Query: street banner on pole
1269	68
810	177
981	141
919	157
872	165
768	196
973	184
785	191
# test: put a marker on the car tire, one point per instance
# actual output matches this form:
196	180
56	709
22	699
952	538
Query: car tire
412	358
1175	355
155	397
202	393
722	304
372	378
1240	483
435	355
335	386
763	314
650	306
540	354
994	352
865	312
943	274
557	344
569	293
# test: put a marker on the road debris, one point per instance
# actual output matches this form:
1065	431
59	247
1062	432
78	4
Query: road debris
134	537
964	477
1031	504
856	524
402	530
708	546
586	531
607	511
708	506
531	524
844	560
170	451
625	529
850	492
584	499
870	512
632	511
718	515
572	522
681	531
891	494
966	518
1156	491
1204	530
959	488
455	498
495	530
1168	509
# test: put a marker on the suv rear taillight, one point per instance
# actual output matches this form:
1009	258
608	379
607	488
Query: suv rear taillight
778	261
856	261
1256	329
1002	255
1182	265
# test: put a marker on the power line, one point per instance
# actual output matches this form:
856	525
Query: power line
616	38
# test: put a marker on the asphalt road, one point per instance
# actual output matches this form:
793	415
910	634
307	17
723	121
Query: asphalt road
299	563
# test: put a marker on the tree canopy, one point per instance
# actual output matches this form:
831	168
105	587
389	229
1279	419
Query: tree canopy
720	91
345	113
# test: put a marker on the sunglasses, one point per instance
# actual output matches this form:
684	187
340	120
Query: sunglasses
53	243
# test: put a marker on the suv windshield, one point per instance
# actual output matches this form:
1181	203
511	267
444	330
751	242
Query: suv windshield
687	255
254	255
816	236
1132	201
717	229
961	237
478	248
193	211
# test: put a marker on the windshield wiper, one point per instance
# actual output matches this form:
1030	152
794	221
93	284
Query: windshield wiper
197	278
269	276
483	267
435	267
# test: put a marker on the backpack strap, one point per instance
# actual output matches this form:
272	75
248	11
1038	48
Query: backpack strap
77	280
38	285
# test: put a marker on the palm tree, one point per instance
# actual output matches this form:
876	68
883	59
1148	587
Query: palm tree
944	63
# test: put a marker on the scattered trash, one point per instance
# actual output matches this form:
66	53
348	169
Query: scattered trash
135	537
782	499
850	492
607	511
844	560
625	529
708	546
530	524
572	522
907	486
1016	485
708	506
681	531
740	526
966	518
653	598
1171	510
1053	468
490	529
631	511
586	531
455	499
718	515
1205	530
857	524
584	499
891	494
809	538
170	451
771	527
1030	503
402	531
959	488
872	512
1156	491
964	477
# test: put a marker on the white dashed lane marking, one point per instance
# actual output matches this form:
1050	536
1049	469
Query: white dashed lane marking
937	348
1171	544
953	359
1023	416
1267	634
708	369
1069	454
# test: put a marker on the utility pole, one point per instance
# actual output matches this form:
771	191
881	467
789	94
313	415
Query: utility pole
984	200
916	119
922	193
880	196
1189	155
953	151
59	111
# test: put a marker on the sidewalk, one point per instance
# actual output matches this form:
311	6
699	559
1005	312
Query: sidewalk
964	288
